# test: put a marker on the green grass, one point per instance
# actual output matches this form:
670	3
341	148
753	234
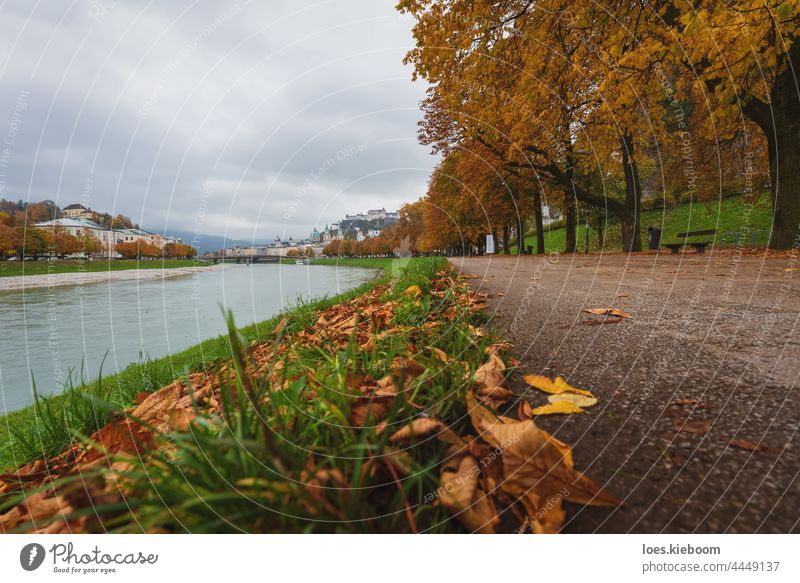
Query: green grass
288	459
57	420
44	267
726	216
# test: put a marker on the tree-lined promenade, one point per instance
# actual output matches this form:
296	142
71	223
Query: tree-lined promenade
597	106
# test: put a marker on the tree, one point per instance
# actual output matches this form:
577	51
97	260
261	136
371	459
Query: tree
128	250
32	242
8	240
64	244
89	244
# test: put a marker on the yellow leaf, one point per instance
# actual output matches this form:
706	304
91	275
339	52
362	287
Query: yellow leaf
557	407
577	400
555	387
414	291
608	312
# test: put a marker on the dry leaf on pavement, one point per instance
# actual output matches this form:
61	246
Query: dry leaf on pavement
608	312
557	407
751	446
555	387
577	400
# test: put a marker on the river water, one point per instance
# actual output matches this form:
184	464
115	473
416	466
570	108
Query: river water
47	331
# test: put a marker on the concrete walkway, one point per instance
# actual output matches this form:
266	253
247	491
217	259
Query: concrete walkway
717	329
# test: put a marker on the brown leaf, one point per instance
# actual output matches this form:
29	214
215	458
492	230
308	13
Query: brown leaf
375	408
491	373
751	446
461	494
498	347
608	312
694	427
685	402
422	427
494	397
536	466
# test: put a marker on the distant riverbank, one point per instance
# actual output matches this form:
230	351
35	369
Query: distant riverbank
46	267
132	271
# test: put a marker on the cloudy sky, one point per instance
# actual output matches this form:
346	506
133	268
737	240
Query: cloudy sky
247	119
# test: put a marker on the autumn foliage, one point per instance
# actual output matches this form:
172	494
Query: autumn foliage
604	105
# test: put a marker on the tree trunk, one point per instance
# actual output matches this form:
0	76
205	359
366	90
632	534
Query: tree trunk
780	121
537	210
631	217
520	236
506	239
571	217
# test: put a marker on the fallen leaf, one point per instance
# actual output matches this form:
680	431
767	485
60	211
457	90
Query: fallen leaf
524	410
424	426
414	291
538	469
557	407
461	494
498	347
694	427
685	402
279	328
494	397
555	387
751	446
577	400
608	312
491	373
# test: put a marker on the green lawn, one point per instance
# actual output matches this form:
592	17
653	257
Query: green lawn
44	267
727	217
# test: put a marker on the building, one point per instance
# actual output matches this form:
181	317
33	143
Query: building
78	211
315	237
81	228
376	215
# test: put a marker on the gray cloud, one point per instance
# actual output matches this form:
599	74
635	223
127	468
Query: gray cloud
252	118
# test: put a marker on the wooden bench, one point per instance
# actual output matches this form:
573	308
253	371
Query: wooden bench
700	246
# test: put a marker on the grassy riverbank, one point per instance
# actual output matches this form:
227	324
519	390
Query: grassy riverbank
57	420
371	413
44	267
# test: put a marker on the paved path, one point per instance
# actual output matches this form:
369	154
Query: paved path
721	329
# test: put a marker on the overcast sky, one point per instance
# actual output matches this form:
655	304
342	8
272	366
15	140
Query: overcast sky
249	119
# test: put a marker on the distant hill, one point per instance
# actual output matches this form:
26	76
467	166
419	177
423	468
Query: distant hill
205	243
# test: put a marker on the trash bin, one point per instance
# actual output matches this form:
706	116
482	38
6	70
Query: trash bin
653	237
529	250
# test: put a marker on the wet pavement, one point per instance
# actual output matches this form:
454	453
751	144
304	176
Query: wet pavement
716	333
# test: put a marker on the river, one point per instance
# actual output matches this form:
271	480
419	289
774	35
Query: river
46	332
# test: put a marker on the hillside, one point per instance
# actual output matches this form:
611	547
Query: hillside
728	216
